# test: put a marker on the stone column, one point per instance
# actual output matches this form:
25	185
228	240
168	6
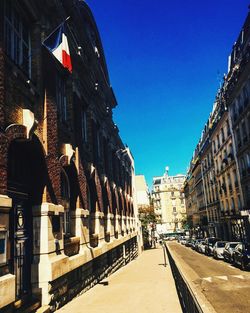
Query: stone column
7	281
82	226
47	244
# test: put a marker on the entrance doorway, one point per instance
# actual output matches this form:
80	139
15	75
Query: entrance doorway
21	244
26	180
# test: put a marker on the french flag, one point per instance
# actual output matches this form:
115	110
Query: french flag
57	44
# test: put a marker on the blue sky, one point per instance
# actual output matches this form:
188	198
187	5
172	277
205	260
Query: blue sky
165	60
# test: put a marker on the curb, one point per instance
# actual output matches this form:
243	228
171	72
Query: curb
188	275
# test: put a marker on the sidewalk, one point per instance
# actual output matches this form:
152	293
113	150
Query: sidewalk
143	286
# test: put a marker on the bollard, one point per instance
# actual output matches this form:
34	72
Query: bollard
162	243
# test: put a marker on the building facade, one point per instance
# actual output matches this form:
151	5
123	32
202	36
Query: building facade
142	192
67	214
223	151
169	201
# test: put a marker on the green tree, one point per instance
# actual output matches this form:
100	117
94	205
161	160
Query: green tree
148	220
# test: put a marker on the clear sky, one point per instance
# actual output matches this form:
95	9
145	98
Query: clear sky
165	60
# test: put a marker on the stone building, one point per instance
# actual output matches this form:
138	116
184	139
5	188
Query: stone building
67	216
169	201
237	95
210	190
194	192
224	151
142	192
225	169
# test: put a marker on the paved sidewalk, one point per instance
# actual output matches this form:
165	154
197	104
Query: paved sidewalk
143	286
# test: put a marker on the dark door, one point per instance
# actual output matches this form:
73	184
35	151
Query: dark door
21	230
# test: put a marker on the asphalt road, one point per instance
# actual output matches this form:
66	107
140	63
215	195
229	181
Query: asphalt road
226	287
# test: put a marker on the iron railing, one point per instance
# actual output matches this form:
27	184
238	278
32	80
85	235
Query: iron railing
187	298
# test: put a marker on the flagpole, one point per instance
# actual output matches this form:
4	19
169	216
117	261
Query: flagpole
57	28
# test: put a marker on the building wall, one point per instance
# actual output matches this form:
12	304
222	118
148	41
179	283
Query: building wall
142	192
67	180
168	201
226	134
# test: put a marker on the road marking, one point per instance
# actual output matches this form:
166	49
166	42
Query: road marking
222	277
209	279
238	276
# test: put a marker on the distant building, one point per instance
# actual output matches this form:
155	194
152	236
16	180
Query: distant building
142	192
168	200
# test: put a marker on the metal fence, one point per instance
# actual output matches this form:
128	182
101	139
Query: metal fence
187	298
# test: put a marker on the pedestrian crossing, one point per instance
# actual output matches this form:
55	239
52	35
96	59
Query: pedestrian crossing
212	279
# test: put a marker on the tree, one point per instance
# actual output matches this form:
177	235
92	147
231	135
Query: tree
148	220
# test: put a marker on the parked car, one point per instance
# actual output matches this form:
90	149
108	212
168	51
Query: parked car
241	255
188	242
183	241
209	244
196	243
201	247
228	251
218	249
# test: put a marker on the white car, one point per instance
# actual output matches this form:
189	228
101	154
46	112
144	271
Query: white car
201	247
218	249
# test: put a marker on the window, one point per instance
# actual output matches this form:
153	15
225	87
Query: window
230	151
214	146
245	95
248	124
235	178
222	135
84	126
248	162
243	167
235	109
65	194
240	107
244	131
238	137
61	99
239	203
229	181
228	128
218	142
17	37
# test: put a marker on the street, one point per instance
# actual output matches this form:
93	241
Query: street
226	287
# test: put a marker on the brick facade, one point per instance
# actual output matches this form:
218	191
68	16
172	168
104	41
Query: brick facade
64	168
